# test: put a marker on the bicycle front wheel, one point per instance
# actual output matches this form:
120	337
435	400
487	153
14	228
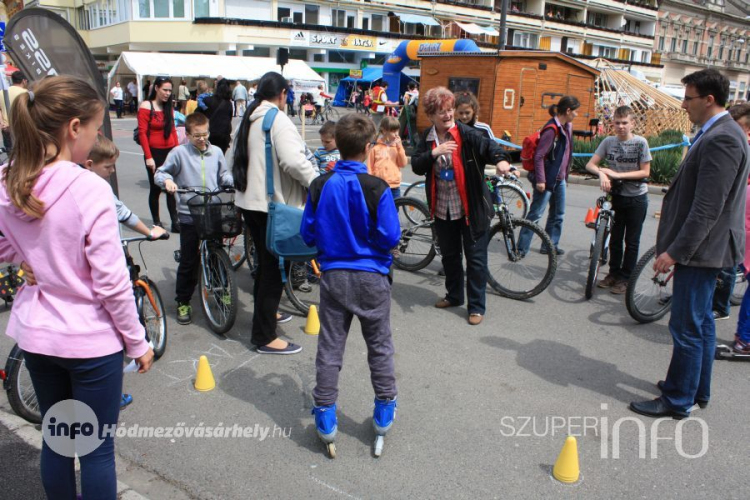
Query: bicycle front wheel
332	114
302	286
595	260
218	290
153	317
649	294
235	248
740	286
416	247
21	393
513	274
417	191
251	257
516	200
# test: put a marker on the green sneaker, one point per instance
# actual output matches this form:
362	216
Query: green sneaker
184	312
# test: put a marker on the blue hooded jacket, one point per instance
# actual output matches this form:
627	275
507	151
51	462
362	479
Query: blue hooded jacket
351	217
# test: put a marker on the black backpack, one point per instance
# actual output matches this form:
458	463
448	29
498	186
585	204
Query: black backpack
136	136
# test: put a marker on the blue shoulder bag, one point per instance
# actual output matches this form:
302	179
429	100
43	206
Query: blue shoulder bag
283	238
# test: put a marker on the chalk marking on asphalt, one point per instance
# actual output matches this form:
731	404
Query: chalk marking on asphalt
333	488
31	436
224	375
223	351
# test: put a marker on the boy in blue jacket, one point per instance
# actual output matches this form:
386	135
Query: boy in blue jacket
351	217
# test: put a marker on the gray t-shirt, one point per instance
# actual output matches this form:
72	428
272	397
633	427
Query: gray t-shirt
626	156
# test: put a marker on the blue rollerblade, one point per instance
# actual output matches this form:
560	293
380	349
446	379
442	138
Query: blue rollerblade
326	425
382	420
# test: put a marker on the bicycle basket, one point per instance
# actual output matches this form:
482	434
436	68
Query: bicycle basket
215	216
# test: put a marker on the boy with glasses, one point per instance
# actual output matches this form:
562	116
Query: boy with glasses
197	164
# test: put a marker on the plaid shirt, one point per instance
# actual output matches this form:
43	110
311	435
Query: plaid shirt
448	204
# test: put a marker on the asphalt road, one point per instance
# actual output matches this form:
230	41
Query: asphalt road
483	411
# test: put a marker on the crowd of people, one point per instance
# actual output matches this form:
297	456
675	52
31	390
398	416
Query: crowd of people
76	319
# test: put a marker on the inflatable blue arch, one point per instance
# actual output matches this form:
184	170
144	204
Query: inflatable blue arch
412	51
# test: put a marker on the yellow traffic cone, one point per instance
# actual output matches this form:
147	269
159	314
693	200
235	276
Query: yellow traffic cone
204	379
566	468
312	326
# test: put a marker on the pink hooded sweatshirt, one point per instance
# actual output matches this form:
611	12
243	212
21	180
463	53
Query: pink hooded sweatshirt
83	305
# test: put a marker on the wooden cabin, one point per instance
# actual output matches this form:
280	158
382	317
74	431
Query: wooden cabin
515	88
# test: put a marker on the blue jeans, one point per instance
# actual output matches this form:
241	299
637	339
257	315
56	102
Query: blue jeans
553	228
98	383
694	337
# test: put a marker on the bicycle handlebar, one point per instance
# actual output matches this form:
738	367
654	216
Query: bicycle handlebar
164	236
204	192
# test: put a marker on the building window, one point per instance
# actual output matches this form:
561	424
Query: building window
661	43
257	52
526	40
284	14
319	58
201	8
597	19
147	9
338	18
685	46
297	17
339	56
645	57
608	52
102	13
518	6
365	23
300	54
695	47
673	46
312	13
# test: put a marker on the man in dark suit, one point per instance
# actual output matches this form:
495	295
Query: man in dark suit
702	230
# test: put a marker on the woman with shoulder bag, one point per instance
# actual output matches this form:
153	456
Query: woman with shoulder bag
158	136
292	174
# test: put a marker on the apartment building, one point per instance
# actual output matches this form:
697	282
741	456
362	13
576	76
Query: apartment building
337	36
710	34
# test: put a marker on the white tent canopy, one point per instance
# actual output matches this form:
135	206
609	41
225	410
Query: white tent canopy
152	64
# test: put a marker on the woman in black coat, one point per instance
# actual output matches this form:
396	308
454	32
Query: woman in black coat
452	156
219	112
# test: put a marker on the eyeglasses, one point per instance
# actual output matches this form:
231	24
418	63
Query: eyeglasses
199	136
688	98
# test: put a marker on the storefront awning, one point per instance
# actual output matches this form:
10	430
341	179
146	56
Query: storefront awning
490	31
471	28
415	19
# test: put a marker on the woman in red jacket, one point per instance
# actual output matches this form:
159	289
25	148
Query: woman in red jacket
158	136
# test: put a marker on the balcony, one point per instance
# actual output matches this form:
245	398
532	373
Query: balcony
473	4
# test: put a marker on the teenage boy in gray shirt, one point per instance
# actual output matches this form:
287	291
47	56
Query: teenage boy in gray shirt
629	163
197	164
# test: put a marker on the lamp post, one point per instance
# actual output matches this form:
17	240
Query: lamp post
503	22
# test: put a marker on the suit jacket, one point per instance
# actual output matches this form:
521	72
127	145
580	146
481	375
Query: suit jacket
703	213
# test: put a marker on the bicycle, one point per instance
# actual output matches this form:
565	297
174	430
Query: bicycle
215	218
148	301
237	250
511	273
16	378
516	199
151	314
329	112
302	286
599	249
649	295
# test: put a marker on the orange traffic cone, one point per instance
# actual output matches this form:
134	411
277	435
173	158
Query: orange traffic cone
589	217
596	213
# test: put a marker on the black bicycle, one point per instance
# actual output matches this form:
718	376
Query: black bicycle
512	273
599	249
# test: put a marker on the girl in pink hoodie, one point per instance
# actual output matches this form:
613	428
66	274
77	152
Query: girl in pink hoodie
75	322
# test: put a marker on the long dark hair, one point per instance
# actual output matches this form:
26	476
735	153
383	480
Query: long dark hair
223	91
270	86
167	106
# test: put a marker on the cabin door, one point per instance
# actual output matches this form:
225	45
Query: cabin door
527	104
580	87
